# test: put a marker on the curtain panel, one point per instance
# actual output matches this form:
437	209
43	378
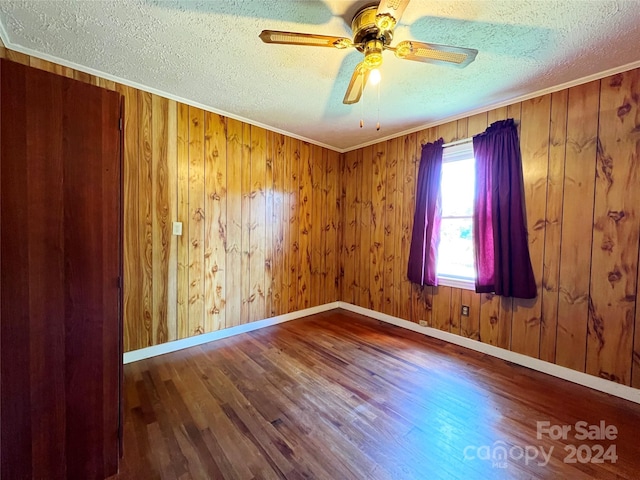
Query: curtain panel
425	238
501	248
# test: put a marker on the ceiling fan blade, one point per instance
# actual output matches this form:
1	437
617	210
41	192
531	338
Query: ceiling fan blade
434	53
389	13
294	38
356	85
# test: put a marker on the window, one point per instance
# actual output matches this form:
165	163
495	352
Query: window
447	175
455	254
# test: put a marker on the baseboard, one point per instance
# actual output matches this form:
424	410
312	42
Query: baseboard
600	384
175	345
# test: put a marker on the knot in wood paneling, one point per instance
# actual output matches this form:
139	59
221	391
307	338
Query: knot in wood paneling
623	110
540	224
607	244
616	216
595	325
616	81
615	276
605	163
198	214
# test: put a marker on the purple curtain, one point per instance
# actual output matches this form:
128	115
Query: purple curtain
501	248
423	254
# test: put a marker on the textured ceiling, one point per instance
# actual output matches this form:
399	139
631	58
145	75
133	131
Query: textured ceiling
208	53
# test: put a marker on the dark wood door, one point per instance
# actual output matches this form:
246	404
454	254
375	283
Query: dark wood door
60	253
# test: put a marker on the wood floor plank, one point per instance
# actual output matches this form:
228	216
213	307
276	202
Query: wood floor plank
341	396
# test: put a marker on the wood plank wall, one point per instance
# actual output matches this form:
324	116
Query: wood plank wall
259	212
581	166
272	225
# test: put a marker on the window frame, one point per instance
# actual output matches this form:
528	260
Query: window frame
455	153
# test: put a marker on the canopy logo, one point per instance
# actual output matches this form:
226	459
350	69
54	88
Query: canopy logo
499	454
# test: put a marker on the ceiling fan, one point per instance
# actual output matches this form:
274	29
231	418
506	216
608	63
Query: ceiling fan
372	28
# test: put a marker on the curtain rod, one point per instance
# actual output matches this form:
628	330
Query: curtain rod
458	142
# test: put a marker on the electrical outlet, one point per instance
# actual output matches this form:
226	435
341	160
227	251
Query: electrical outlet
423	323
464	311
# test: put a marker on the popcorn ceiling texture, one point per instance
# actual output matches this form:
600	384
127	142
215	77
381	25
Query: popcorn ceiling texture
209	52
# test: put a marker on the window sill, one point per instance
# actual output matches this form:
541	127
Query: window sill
465	284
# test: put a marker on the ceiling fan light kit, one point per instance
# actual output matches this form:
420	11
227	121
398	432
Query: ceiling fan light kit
372	32
373	54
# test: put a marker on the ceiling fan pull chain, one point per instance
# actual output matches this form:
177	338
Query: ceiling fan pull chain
378	124
362	96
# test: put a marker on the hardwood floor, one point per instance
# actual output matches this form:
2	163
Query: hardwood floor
341	396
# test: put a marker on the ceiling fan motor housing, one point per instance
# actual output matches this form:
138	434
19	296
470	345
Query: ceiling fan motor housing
365	29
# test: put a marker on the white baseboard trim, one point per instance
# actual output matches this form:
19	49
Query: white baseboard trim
175	345
597	383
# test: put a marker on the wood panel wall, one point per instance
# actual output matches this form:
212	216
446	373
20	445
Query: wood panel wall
272	225
239	191
581	160
259	215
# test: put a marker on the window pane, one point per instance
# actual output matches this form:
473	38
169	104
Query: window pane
458	179
455	254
